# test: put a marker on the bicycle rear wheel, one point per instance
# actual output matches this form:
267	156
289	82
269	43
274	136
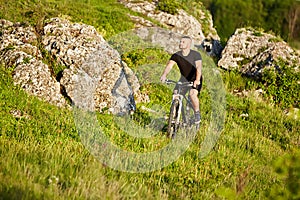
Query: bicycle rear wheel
172	125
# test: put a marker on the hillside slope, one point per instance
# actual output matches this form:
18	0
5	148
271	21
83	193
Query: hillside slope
42	157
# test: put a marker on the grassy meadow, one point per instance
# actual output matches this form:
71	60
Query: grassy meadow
256	156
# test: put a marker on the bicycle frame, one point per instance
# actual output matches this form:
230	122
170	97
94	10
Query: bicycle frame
181	108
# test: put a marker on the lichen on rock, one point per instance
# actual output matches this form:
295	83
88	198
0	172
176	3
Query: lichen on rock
251	51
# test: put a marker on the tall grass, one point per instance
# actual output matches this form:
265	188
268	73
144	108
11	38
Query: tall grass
42	157
108	17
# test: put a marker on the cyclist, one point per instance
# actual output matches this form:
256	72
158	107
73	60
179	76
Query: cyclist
190	65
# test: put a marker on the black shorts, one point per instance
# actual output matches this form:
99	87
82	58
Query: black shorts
198	87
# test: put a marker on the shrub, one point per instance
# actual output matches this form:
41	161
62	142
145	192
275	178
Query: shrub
235	81
168	6
282	85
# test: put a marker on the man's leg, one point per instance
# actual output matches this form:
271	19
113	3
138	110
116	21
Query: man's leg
195	102
194	99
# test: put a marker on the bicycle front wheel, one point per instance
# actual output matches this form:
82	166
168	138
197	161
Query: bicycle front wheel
172	124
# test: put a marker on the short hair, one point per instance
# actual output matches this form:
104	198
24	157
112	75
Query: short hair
186	37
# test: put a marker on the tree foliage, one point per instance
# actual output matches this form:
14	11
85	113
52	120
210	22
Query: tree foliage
280	17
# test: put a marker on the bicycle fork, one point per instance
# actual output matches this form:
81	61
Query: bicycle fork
178	98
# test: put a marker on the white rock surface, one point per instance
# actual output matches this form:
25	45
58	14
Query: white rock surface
250	51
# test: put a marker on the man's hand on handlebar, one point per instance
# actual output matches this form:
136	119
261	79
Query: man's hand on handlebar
163	78
196	83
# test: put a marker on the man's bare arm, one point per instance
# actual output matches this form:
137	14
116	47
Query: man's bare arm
198	72
168	68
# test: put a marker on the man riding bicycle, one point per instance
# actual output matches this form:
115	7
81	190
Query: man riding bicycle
190	65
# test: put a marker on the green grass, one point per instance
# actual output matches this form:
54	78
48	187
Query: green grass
42	156
108	17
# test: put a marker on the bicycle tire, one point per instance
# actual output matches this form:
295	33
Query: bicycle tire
172	126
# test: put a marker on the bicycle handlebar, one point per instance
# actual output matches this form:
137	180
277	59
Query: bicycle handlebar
187	84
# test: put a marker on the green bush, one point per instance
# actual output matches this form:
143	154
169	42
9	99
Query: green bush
281	85
235	81
168	6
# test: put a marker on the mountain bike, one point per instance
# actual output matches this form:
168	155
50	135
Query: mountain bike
181	110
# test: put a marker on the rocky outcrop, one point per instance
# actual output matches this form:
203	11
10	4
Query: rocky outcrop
19	53
93	77
160	37
176	25
93	64
250	51
180	23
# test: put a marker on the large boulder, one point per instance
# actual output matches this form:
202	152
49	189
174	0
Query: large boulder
19	53
92	74
176	25
180	23
250	51
94	67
